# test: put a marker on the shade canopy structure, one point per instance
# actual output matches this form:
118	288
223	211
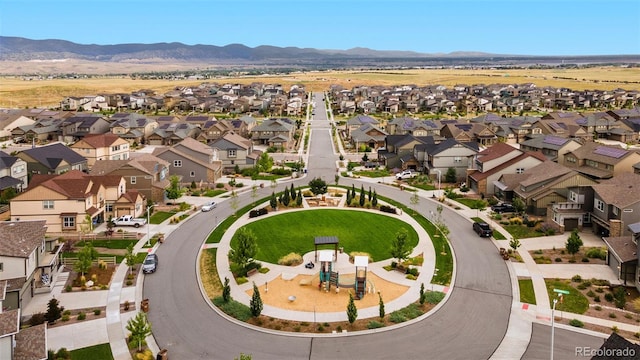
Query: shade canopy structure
326	240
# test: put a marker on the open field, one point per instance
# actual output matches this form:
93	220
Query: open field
16	92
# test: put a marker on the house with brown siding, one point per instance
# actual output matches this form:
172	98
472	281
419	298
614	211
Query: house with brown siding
192	161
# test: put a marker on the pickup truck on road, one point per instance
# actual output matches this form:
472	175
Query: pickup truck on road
128	220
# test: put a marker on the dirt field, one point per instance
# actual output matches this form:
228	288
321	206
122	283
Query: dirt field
18	93
308	296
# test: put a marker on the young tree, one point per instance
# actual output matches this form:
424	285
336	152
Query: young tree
362	196
234	203
54	311
318	186
514	243
519	205
365	157
573	243
440	224
423	297
265	162
399	248
450	176
174	191
85	258
286	198
415	200
292	192
352	311
380	306
254	192
273	202
370	195
246	248
130	257
140	328
374	202
299	198
226	290
255	304
336	179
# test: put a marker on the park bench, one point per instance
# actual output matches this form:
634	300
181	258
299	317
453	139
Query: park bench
252	272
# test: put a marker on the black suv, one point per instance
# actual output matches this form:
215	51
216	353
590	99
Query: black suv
483	229
503	208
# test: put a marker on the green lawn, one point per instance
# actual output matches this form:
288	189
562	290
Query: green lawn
522	231
527	295
356	231
96	352
472	203
575	302
110	244
373	173
212	193
160	216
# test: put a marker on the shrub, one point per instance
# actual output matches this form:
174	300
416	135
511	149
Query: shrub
129	283
219	185
374	325
63	353
581	286
37	319
97	312
64	318
599	290
538	252
82	316
585	259
596	298
410	277
576	278
68	288
587	283
614	329
576	323
388	209
608	297
412	271
434	297
258	212
397	317
619	295
597	253
591	293
597	307
558	260
291	259
613	315
67	312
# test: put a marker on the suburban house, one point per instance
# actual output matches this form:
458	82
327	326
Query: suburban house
13	173
563	126
469	132
172	133
79	126
398	151
274	132
553	147
540	186
102	147
192	161
499	159
16	343
367	136
357	122
616	204
10	121
437	158
234	150
29	261
71	202
213	130
600	161
134	128
52	159
145	173
42	130
622	255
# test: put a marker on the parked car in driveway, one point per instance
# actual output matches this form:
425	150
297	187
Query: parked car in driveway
482	229
503	208
407	174
209	206
150	264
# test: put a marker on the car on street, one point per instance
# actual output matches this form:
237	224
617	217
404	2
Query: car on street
150	264
503	208
209	206
482	229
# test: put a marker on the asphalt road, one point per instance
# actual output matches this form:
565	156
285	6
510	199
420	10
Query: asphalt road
470	325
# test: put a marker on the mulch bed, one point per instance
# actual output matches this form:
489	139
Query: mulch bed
550	256
73	317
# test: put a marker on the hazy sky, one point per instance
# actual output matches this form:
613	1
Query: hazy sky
543	27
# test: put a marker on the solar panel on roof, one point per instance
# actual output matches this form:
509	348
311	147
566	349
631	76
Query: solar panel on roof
554	140
615	153
464	127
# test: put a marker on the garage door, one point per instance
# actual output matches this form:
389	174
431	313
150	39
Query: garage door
570	224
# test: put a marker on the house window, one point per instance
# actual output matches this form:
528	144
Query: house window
614	210
108	208
115	148
573	196
519	170
177	163
231	153
457	159
47	204
1	266
592	163
133	180
69	222
599	205
570	159
192	174
18	169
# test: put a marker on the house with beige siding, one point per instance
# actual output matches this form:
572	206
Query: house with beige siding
102	147
600	161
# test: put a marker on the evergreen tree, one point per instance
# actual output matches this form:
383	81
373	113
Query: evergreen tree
273	202
226	290
374	202
423	296
352	311
255	304
370	194
293	193
299	198
362	195
286	198
140	328
348	197
54	311
381	306
353	191
318	186
173	191
573	243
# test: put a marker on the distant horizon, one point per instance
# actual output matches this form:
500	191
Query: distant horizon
497	27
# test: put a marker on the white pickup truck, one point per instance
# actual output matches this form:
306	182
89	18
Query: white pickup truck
407	174
128	220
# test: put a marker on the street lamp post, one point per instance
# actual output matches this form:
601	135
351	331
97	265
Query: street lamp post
553	314
439	175
149	225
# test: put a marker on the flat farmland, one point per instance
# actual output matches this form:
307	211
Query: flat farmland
17	93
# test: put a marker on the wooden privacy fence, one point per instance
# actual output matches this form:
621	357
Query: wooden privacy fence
124	235
109	260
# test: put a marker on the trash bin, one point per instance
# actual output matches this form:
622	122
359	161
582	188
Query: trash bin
144	305
162	355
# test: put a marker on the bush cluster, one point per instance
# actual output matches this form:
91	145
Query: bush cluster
388	209
258	212
597	253
291	259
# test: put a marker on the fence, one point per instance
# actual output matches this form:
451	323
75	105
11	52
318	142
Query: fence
109	260
124	235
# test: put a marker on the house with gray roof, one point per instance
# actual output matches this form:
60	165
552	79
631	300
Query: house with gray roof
172	133
234	150
13	172
601	161
367	136
81	125
272	132
52	159
553	147
192	161
359	120
135	128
